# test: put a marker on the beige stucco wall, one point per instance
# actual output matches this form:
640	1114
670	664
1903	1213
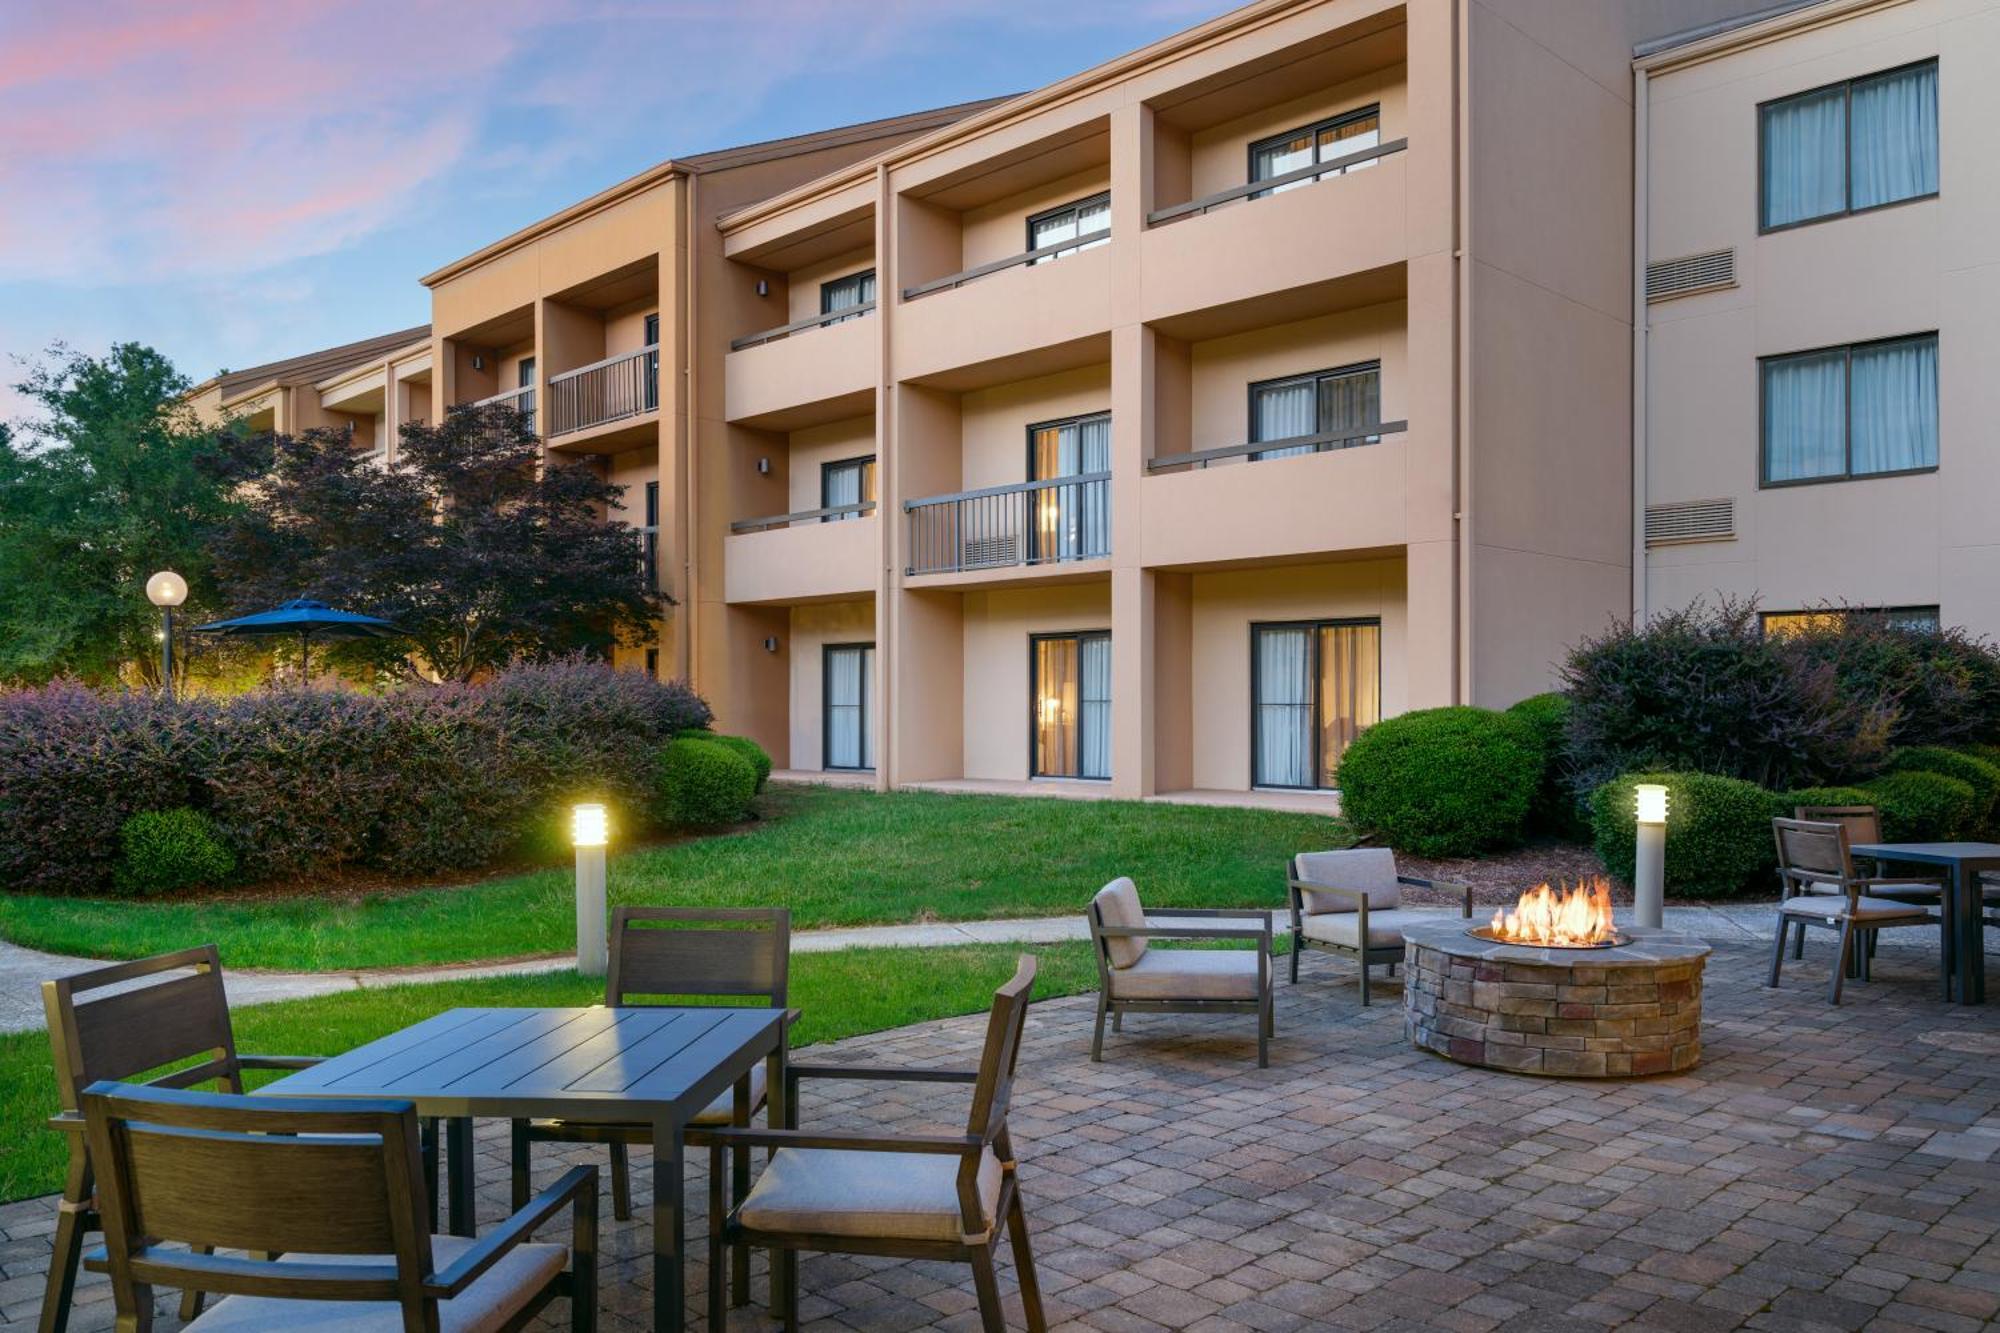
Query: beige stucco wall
995	430
1223	369
997	625
1911	268
805	282
816	446
813	627
999	230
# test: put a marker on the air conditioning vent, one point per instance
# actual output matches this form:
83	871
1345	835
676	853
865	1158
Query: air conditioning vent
1690	274
1691	521
989	552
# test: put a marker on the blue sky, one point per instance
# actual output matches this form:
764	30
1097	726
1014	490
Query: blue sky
234	181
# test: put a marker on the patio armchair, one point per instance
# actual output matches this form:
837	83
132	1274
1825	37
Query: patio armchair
1350	903
1132	977
917	1196
1815	853
122	1022
335	1185
1863	824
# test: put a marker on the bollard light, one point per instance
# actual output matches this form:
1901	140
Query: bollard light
1649	865
589	830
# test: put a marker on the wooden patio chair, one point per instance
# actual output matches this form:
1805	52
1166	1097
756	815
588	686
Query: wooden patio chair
334	1185
1350	903
1133	978
124	1022
1863	824
658	955
1816	853
913	1196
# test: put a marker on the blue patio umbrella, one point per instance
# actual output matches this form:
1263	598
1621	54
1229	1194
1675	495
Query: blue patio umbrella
304	617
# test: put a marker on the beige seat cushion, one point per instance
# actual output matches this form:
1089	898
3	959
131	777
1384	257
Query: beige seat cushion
1385	929
1118	905
485	1306
1372	869
1189	974
1825	907
1911	890
853	1192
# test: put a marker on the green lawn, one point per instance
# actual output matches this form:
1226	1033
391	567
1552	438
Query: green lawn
840	994
835	857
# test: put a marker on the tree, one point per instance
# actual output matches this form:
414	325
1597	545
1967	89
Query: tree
475	546
105	488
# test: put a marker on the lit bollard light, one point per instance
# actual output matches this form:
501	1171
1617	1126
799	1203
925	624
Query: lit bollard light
1649	870
589	832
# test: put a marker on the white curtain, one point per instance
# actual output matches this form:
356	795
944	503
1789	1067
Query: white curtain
1805	157
1350	403
843	293
1284	412
1894	406
848	744
1094	706
846	484
1284	706
1805	415
1094	498
1895	144
1072	522
1088	224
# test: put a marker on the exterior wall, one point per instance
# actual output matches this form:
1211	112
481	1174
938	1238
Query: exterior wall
816	446
1910	268
996	675
1223	369
999	230
994	439
1218	157
805	282
813	628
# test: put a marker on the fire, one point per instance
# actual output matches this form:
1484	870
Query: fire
1563	917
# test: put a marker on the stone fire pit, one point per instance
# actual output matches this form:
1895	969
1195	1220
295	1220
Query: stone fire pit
1633	1008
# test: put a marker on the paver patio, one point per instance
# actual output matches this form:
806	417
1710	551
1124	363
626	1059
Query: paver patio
1822	1169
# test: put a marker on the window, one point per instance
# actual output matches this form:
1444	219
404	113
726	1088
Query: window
1919	619
848	482
1848	147
1327	402
1315	685
524	379
649	537
1087	222
1070	522
849	740
653	663
1861	411
841	293
652	362
1070	699
1322	141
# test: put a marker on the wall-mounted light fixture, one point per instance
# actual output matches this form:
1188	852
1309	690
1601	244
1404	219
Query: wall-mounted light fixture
763	287
763	467
479	363
771	644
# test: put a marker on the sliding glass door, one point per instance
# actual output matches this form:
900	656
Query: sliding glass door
1070	699
1346	401
1071	522
849	741
1315	686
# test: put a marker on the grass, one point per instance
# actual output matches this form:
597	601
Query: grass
840	995
835	857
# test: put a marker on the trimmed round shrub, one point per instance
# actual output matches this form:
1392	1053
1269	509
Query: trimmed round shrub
1718	831
165	851
1982	775
760	759
1923	807
1553	810
702	784
1442	781
1792	800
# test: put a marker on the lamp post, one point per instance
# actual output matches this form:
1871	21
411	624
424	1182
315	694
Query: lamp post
589	833
1649	870
167	590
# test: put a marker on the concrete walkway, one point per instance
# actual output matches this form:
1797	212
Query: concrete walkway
23	970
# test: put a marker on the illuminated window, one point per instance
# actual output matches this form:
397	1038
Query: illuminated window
1922	619
1070	699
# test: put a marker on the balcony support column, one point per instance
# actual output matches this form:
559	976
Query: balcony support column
1133	351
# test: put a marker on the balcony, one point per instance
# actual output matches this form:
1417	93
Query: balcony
1029	314
521	400
812	555
1062	520
806	373
607	391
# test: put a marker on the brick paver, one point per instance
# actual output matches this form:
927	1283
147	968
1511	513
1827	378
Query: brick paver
1821	1169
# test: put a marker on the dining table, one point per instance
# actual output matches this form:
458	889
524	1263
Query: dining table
602	1065
1964	905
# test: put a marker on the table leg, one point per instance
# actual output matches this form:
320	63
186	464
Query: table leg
780	1112
1971	942
739	1187
460	1175
669	1223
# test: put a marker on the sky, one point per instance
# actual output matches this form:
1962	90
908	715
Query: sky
236	181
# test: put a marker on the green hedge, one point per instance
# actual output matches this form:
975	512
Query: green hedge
1923	807
1718	832
1553	810
702	784
165	851
1790	801
758	757
1976	771
1443	781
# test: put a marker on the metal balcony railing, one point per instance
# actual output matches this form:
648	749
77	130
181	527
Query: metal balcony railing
811	322
1258	189
521	399
830	514
609	390
1297	444
1028	523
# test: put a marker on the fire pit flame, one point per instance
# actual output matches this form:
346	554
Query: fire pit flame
1565	918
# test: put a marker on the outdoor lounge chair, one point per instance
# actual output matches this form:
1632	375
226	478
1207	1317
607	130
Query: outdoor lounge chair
1351	903
336	1187
913	1196
1135	978
1812	854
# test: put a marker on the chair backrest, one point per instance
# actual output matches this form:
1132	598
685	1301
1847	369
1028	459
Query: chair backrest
176	1012
1811	851
1004	1024
1117	904
1863	822
659	953
194	1169
1372	869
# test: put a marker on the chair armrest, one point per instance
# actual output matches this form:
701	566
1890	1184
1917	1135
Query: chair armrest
1443	885
69	1122
1304	885
1185	932
279	1061
491	1247
749	1136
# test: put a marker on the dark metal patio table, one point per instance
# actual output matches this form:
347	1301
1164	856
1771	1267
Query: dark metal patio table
1962	901
610	1066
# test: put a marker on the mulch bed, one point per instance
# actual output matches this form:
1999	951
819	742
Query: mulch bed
1500	877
